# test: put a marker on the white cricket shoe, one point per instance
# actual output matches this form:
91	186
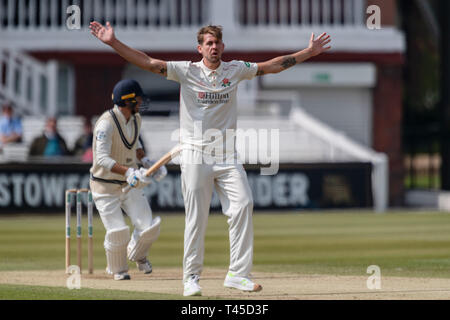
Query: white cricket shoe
241	283
119	276
122	276
144	265
191	286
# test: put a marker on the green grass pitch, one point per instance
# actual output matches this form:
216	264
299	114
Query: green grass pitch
401	243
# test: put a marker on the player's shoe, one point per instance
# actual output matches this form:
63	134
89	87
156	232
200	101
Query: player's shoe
118	276
144	265
122	276
241	283
191	286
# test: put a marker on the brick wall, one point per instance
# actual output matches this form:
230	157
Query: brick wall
387	125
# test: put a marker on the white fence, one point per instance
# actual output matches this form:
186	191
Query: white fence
171	25
135	14
52	14
29	83
303	13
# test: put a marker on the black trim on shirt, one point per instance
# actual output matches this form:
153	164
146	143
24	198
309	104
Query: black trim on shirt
107	181
127	144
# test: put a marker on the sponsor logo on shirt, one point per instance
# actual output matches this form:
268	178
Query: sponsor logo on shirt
212	97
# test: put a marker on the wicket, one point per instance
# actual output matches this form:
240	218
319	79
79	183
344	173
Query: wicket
90	203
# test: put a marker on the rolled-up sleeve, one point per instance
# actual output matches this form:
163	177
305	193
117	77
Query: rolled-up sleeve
103	135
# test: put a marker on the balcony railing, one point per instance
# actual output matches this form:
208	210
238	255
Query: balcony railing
52	14
301	13
171	25
28	82
139	14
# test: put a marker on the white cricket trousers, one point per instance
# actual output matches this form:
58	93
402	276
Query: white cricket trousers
230	182
133	203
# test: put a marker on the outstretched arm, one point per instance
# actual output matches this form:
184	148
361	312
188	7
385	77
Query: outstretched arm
278	64
136	57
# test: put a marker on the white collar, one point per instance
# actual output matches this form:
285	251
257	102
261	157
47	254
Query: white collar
209	71
122	117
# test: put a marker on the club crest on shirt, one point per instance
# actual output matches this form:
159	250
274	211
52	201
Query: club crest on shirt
226	82
101	135
129	160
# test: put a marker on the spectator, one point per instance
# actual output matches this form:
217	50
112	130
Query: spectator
10	126
50	143
83	145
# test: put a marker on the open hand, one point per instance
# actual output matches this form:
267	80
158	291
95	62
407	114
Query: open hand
318	46
103	33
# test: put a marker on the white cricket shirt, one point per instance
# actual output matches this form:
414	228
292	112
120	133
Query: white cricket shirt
208	101
103	132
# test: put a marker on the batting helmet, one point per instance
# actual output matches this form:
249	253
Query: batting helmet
125	90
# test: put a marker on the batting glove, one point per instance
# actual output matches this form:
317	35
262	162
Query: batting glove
159	174
143	179
137	178
132	180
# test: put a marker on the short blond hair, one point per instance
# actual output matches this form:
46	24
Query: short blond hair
216	31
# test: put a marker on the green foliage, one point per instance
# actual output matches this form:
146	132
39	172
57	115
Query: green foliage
422	67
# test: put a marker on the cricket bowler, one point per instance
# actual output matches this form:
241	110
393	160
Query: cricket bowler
208	105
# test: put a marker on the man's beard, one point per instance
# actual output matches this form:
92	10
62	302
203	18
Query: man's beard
133	108
214	59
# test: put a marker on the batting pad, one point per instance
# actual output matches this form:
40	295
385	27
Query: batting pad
116	241
139	250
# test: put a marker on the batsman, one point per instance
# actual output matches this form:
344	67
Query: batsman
116	152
